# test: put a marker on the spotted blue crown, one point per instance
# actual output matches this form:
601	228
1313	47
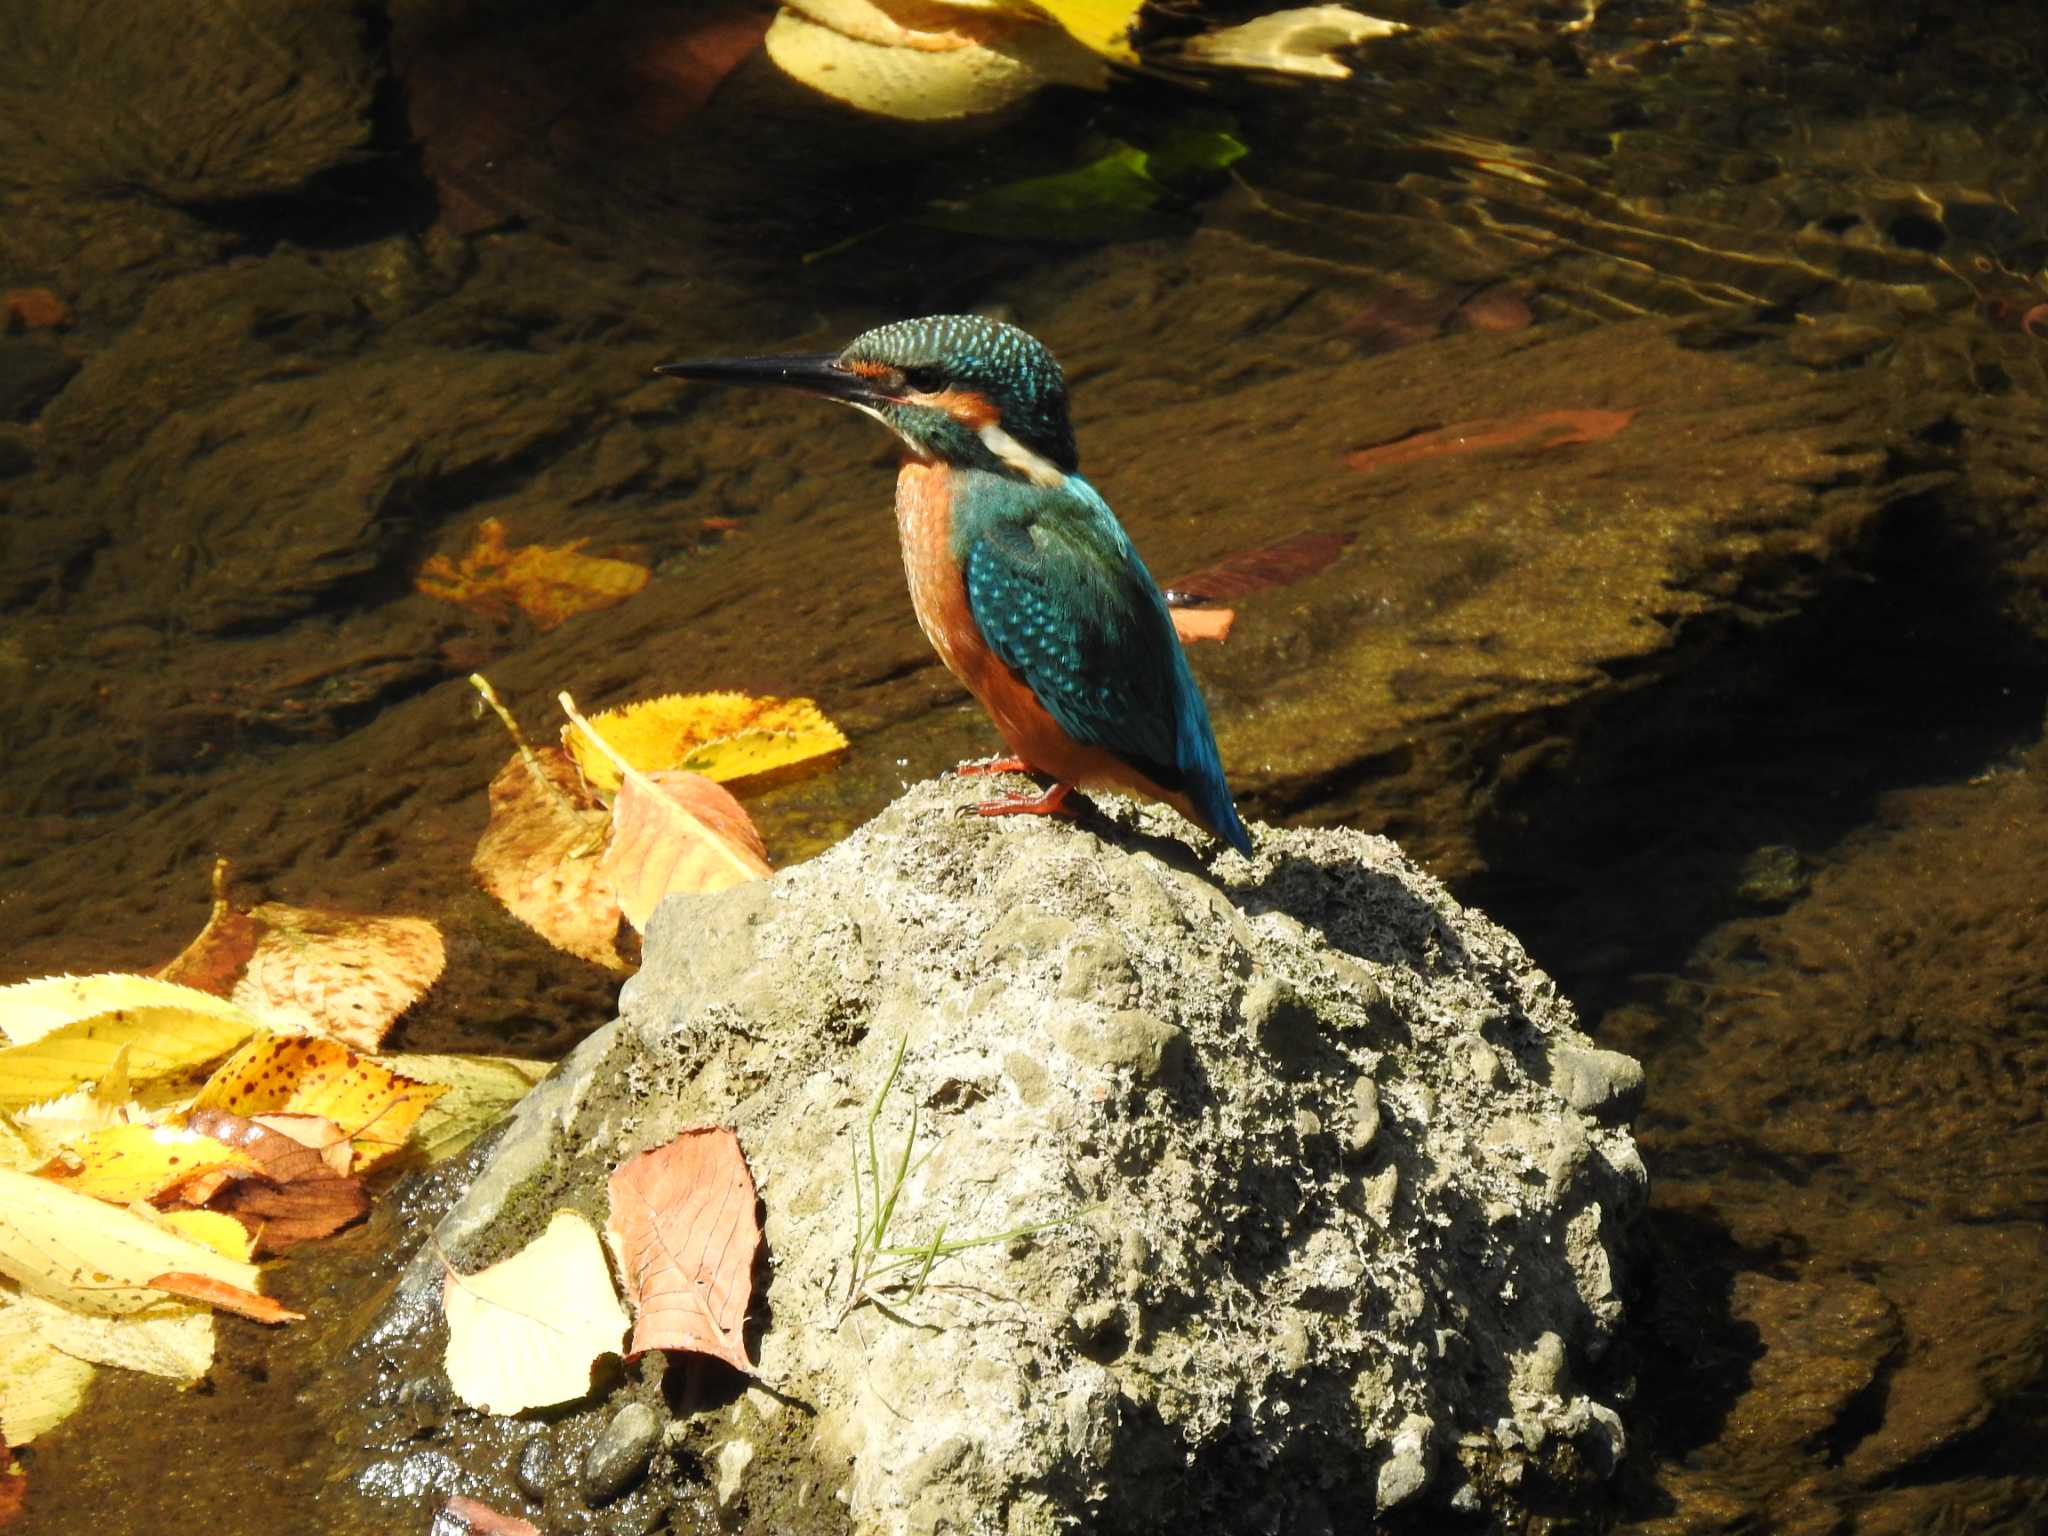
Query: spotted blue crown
1010	368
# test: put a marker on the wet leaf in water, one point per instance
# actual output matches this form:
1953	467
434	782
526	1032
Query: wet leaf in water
302	1074
1297	42
539	856
1543	429
467	1514
525	1332
172	1339
546	582
745	743
682	1224
1279	564
1193	624
304	970
482	1090
299	1197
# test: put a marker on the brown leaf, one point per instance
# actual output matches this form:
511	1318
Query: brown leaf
299	1196
682	1225
225	1297
305	970
1279	564
1543	429
459	1514
539	857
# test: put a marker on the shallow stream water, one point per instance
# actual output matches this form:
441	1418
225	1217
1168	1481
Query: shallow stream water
1676	372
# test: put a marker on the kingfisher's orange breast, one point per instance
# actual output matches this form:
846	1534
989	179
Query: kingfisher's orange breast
938	591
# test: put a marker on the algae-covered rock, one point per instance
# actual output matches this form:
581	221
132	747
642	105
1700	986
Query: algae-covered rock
1296	1217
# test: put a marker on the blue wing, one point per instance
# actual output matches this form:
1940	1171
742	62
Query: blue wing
1062	598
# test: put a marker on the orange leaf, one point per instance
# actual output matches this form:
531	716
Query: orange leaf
228	1298
1543	429
299	1197
539	857
682	1224
303	1074
547	582
482	1520
1193	624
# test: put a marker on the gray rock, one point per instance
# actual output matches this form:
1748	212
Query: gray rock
1258	1193
1604	1084
619	1456
535	1468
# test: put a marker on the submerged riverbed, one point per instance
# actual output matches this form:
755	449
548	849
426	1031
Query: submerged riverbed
1674	372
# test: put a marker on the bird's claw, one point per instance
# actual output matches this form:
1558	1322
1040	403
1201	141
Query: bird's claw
991	765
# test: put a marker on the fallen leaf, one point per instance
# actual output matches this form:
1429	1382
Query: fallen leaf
318	1132
303	1074
30	1010
546	582
482	1090
40	1385
1543	429
1193	624
225	1297
525	1332
681	833
745	743
539	857
161	1043
34	309
1279	564
173	1339
1297	42
305	970
217	1229
480	1519
124	1163
300	1196
92	1256
682	1225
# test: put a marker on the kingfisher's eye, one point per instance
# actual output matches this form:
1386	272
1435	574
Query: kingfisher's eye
926	381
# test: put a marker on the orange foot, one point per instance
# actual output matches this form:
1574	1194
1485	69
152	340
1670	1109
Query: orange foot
1052	803
993	765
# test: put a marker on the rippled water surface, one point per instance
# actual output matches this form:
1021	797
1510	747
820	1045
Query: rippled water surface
1676	373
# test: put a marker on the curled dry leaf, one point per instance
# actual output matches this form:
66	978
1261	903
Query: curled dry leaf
546	582
539	856
524	1333
308	971
745	743
683	1227
1540	430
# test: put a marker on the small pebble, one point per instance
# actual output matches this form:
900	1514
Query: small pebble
619	1456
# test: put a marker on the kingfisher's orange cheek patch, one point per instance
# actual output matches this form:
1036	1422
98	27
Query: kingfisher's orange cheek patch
963	405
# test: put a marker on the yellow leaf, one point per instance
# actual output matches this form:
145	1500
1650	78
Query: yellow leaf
547	582
1102	26
306	1075
40	1385
92	1256
171	1338
482	1090
29	1010
217	1229
16	1151
525	1332
745	743
160	1042
55	1123
124	1163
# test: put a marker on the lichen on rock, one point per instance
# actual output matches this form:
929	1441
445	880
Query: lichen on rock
1313	1231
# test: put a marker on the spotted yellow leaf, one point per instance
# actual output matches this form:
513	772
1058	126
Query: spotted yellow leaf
306	1075
744	743
123	1163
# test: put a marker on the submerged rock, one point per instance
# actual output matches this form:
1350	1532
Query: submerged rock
1281	1208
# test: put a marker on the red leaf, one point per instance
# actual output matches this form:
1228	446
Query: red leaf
1543	429
1278	564
682	1224
459	1514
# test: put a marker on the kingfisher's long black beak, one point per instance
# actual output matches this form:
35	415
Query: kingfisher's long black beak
819	373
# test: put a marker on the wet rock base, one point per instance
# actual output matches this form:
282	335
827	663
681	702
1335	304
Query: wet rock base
1274	1194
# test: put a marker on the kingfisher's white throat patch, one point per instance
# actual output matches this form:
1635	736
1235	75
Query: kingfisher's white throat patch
1035	467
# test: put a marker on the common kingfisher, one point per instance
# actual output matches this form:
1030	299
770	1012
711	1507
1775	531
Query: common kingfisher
1024	581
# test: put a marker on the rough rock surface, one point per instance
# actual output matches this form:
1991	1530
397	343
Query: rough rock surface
1330	1235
